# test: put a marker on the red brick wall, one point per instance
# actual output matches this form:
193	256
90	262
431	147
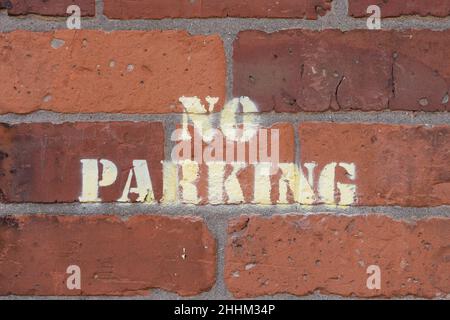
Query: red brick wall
225	148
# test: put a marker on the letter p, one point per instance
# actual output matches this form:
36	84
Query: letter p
91	181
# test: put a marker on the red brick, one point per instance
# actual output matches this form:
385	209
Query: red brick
246	176
159	9
395	164
95	71
47	7
116	257
302	254
298	70
286	137
397	8
41	162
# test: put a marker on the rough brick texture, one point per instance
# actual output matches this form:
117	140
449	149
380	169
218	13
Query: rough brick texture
42	162
395	165
121	72
215	109
115	257
247	176
159	9
293	71
299	254
396	8
47	7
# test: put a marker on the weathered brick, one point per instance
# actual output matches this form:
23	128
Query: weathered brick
395	164
42	162
285	146
115	257
248	179
159	9
298	70
47	7
91	71
396	8
302	254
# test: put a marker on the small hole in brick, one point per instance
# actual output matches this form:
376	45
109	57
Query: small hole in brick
84	43
445	99
250	266
423	102
320	10
57	43
47	98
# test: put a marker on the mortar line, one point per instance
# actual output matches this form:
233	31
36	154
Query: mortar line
99	8
228	41
337	18
209	26
218	225
157	294
208	211
264	118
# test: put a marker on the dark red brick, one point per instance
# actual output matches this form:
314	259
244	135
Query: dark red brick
41	162
159	9
397	8
47	7
293	71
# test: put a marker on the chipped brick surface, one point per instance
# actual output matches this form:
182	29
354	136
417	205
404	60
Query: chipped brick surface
299	254
298	70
